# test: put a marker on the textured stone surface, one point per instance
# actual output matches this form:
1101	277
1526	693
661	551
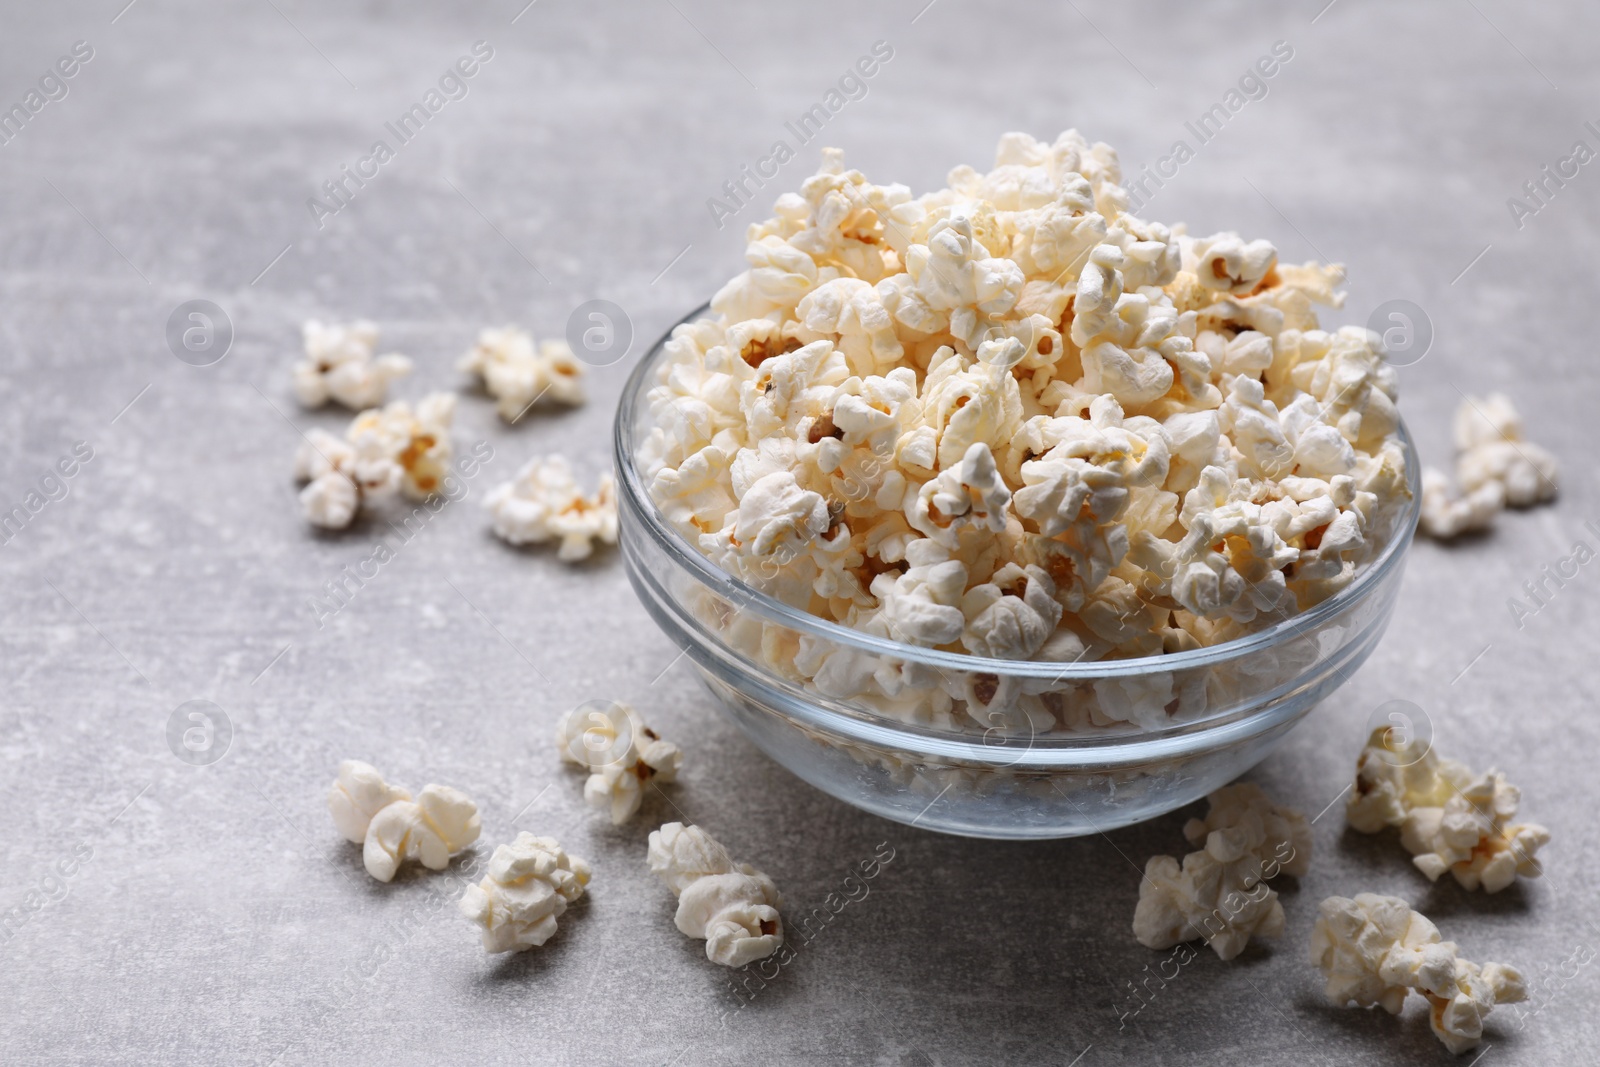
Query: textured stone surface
219	918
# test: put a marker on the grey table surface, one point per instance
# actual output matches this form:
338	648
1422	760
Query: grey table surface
157	912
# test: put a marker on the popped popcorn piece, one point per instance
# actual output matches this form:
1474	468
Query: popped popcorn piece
1449	818
391	827
518	373
1375	950
621	753
529	885
357	795
904	396
430	829
543	503
1447	514
1496	465
1219	894
339	366
385	451
733	906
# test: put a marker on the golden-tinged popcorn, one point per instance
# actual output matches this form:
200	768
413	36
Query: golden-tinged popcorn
385	451
1219	893
1449	818
732	906
543	503
1374	950
902	397
518	373
529	885
620	752
392	828
339	366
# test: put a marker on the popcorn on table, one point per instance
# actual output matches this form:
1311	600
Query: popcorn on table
1449	818
1219	894
1011	419
386	451
1376	950
529	885
544	503
620	752
1496	465
733	906
518	373
392	828
339	366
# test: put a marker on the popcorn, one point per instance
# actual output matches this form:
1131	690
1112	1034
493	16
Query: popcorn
543	503
431	829
902	398
392	828
1496	465
734	907
518	374
339	365
385	451
621	753
1374	950
529	885
1219	894
357	795
1449	818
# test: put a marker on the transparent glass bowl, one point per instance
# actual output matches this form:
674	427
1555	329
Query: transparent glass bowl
1243	696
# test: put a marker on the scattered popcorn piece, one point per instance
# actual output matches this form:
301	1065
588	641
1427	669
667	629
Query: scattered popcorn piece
339	366
1449	818
391	827
1375	950
529	885
518	374
385	451
903	398
1447	514
621	753
1497	466
543	503
430	829
357	795
1219	894
734	907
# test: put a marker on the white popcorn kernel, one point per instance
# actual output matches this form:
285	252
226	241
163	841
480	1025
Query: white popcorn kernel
357	795
339	366
529	885
969	495
430	829
1227	263
734	907
517	373
1219	894
612	742
1449	819
543	503
385	451
1375	950
1447	514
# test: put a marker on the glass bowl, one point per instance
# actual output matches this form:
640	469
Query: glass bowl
1227	706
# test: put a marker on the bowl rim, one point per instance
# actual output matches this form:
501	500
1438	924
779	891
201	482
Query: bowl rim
731	588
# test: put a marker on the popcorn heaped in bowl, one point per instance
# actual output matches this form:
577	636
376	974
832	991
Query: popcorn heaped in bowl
1008	418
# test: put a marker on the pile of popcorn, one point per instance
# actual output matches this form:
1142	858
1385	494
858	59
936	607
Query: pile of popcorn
1008	418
